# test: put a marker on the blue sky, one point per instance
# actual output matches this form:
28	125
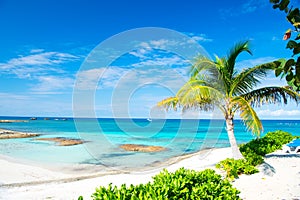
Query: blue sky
44	45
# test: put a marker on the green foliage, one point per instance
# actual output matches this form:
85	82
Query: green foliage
234	167
253	158
290	69
254	151
182	184
217	84
271	142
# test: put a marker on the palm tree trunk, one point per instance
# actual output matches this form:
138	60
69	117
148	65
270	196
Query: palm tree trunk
235	149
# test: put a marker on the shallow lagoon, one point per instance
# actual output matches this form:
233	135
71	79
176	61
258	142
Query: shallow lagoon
104	136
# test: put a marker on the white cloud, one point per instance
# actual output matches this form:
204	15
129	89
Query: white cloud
201	39
164	61
99	77
9	96
152	70
279	113
36	50
140	53
35	64
42	69
198	37
162	43
48	84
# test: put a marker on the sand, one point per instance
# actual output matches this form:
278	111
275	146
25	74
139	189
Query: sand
279	178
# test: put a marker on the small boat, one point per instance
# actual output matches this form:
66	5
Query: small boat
33	118
149	119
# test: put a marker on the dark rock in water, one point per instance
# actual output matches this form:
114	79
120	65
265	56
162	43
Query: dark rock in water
63	141
142	148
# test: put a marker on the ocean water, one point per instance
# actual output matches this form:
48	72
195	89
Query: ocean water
104	136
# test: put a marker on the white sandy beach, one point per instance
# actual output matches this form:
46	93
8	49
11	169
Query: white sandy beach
279	180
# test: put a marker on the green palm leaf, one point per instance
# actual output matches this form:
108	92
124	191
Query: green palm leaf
217	84
199	97
248	115
249	78
271	95
171	102
234	53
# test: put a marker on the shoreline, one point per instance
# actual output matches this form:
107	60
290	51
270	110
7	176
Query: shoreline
71	187
279	177
66	171
35	173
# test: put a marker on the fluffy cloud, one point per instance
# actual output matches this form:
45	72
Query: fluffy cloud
42	69
48	84
35	64
279	113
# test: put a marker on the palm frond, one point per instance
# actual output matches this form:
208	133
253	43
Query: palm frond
203	69
169	103
248	115
249	78
234	53
198	96
271	95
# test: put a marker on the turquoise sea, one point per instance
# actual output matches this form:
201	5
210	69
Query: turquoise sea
104	136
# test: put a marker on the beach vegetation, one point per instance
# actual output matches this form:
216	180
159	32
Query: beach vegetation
234	168
271	142
254	152
290	70
181	184
219	84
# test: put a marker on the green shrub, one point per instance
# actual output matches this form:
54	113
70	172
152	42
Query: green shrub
271	142
234	168
254	159
253	152
182	184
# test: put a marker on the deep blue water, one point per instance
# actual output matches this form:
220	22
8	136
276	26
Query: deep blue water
104	136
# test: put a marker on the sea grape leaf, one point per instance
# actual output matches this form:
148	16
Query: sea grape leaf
283	4
278	72
289	63
289	77
291	44
296	50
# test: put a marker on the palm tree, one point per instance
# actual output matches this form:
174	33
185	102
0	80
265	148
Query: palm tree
218	84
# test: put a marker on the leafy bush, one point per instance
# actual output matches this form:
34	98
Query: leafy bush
182	184
271	142
253	152
253	158
234	168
